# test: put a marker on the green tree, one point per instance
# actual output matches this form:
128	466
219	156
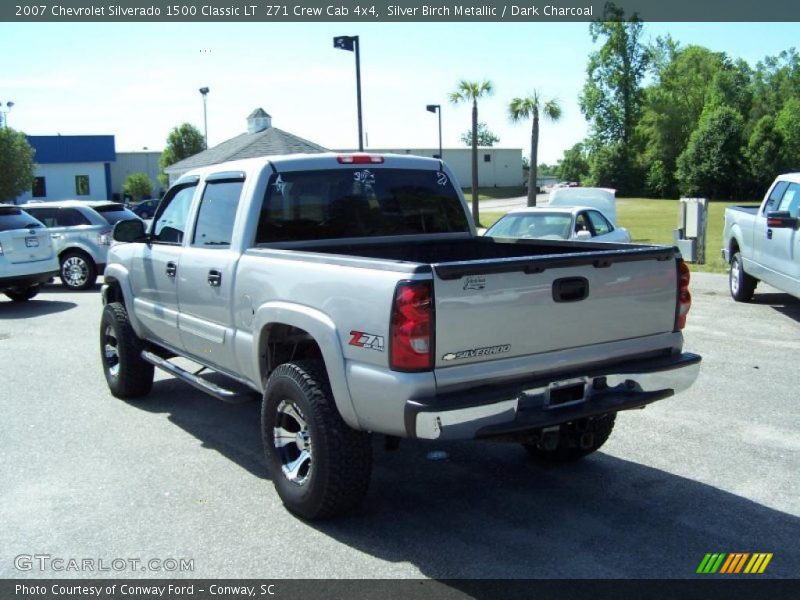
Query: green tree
711	165
16	158
765	154
467	91
529	107
575	164
137	186
787	124
485	136
775	79
182	142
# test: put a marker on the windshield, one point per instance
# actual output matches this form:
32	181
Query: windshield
359	202
115	212
533	225
16	218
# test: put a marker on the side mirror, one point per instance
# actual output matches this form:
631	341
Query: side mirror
130	230
583	235
781	219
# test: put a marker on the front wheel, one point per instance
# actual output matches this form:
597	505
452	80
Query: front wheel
319	465
23	294
128	375
741	284
575	440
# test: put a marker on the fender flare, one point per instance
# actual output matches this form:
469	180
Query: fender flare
116	274
324	332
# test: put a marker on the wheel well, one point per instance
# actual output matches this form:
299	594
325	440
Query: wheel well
734	248
113	292
286	343
68	251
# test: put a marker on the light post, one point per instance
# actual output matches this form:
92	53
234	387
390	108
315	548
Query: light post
4	110
204	92
350	43
437	108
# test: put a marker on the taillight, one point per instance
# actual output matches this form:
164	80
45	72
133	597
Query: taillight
684	299
104	237
411	346
359	159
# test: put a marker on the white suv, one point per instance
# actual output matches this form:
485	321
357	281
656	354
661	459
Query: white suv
27	258
81	232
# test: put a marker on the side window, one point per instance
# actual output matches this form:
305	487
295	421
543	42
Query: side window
217	213
69	217
170	223
45	215
775	196
581	223
599	222
791	200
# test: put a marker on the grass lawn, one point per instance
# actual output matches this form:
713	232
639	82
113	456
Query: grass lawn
653	221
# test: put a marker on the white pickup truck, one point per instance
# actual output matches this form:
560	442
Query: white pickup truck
761	243
352	293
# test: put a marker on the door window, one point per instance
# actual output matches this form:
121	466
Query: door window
790	201
170	224
217	213
599	222
775	196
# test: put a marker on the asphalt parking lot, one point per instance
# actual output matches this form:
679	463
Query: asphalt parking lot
180	475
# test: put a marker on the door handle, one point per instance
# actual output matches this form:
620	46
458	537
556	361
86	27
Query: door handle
172	269
214	278
769	234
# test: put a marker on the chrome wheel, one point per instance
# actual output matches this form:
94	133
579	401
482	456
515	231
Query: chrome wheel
292	443
75	271
111	351
735	276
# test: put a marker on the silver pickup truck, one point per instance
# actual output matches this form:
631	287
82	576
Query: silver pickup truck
762	243
352	293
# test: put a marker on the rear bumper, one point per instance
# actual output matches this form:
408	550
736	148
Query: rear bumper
26	281
530	405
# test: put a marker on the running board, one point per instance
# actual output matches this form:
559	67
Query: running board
226	395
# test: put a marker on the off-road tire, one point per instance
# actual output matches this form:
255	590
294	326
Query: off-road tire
78	270
741	285
569	448
23	294
335	474
128	375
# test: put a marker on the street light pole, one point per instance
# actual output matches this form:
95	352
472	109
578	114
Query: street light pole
204	92
351	43
437	108
9	106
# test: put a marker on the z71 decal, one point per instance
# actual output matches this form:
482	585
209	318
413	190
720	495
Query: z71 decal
370	341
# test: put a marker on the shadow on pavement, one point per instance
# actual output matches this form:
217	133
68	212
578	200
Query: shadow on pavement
783	303
486	511
32	308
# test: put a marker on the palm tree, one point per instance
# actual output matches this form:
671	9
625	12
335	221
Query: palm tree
525	108
466	91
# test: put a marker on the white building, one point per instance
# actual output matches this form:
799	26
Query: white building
143	161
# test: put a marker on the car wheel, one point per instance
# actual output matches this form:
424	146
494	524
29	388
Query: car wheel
741	284
23	294
575	440
78	271
128	375
320	466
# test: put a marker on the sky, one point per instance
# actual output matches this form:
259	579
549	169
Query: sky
137	81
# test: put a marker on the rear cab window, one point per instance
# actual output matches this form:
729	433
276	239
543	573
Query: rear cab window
358	202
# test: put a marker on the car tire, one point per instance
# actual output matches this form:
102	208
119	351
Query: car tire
128	375
319	465
23	294
78	271
741	285
576	440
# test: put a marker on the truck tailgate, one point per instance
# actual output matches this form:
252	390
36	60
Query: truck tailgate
495	309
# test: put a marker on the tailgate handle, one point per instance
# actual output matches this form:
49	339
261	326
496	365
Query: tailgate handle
570	289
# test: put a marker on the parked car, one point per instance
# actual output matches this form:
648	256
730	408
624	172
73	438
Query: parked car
602	199
762	243
144	209
81	232
352	293
27	258
569	223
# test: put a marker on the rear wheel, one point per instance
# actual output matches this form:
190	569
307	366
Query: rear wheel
741	284
23	294
128	375
78	271
575	440
319	465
